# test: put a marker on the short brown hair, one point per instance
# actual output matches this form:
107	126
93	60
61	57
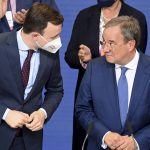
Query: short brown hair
129	27
38	17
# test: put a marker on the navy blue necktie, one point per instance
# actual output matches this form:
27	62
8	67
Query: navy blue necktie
123	95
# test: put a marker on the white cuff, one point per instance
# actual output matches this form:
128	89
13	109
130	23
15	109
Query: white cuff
45	113
5	114
103	145
84	65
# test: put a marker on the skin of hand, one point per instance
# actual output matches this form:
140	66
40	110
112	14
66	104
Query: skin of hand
3	7
19	16
118	142
128	144
102	53
16	119
84	53
111	139
36	121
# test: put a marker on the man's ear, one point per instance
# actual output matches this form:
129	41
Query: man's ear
35	36
131	45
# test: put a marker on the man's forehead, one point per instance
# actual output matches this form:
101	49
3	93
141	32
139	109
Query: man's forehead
112	31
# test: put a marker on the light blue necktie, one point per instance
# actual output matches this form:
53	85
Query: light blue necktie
123	95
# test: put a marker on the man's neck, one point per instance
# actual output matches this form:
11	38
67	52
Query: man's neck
28	40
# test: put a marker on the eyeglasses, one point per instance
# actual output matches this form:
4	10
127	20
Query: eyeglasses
110	44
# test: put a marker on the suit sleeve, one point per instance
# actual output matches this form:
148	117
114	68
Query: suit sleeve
2	111
144	33
143	138
84	108
71	55
54	89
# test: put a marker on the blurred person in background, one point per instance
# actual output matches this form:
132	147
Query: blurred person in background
16	11
3	7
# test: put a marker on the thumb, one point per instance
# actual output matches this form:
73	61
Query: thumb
82	46
31	118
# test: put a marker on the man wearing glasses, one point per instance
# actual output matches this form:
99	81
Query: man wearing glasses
115	92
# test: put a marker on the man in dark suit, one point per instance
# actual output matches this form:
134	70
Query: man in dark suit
84	43
19	10
115	91
29	61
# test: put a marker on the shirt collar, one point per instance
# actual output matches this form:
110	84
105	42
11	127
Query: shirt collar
132	64
21	43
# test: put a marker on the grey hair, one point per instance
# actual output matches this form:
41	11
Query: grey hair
129	27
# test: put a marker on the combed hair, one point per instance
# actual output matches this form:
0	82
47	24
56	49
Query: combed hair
38	17
129	27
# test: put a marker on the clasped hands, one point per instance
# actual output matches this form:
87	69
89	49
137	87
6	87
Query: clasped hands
117	142
18	119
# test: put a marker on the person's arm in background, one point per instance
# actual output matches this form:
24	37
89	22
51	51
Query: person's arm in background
71	55
144	34
19	16
3	8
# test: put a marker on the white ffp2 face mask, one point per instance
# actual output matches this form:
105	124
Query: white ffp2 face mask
52	46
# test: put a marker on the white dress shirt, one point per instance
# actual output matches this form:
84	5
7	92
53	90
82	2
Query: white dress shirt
130	75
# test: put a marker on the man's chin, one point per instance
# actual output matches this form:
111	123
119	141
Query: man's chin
109	59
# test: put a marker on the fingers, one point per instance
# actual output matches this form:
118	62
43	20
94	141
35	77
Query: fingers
37	119
35	125
16	119
84	53
19	16
111	139
129	144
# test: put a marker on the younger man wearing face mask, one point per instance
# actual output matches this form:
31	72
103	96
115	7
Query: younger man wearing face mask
28	63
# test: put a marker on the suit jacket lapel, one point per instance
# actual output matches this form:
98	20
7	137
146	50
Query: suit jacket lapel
14	61
139	85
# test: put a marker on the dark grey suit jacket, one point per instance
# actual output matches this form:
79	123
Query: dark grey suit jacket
11	90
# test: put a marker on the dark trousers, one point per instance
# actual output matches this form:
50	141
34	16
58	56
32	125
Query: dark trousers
78	136
18	144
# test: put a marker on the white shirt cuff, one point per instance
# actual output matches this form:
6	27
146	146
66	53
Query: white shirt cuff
103	145
45	113
84	65
5	114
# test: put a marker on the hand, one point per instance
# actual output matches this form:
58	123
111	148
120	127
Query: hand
84	53
19	16
16	119
112	139
37	119
3	7
127	143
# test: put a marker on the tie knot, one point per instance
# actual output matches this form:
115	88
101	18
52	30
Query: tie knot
30	52
123	70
